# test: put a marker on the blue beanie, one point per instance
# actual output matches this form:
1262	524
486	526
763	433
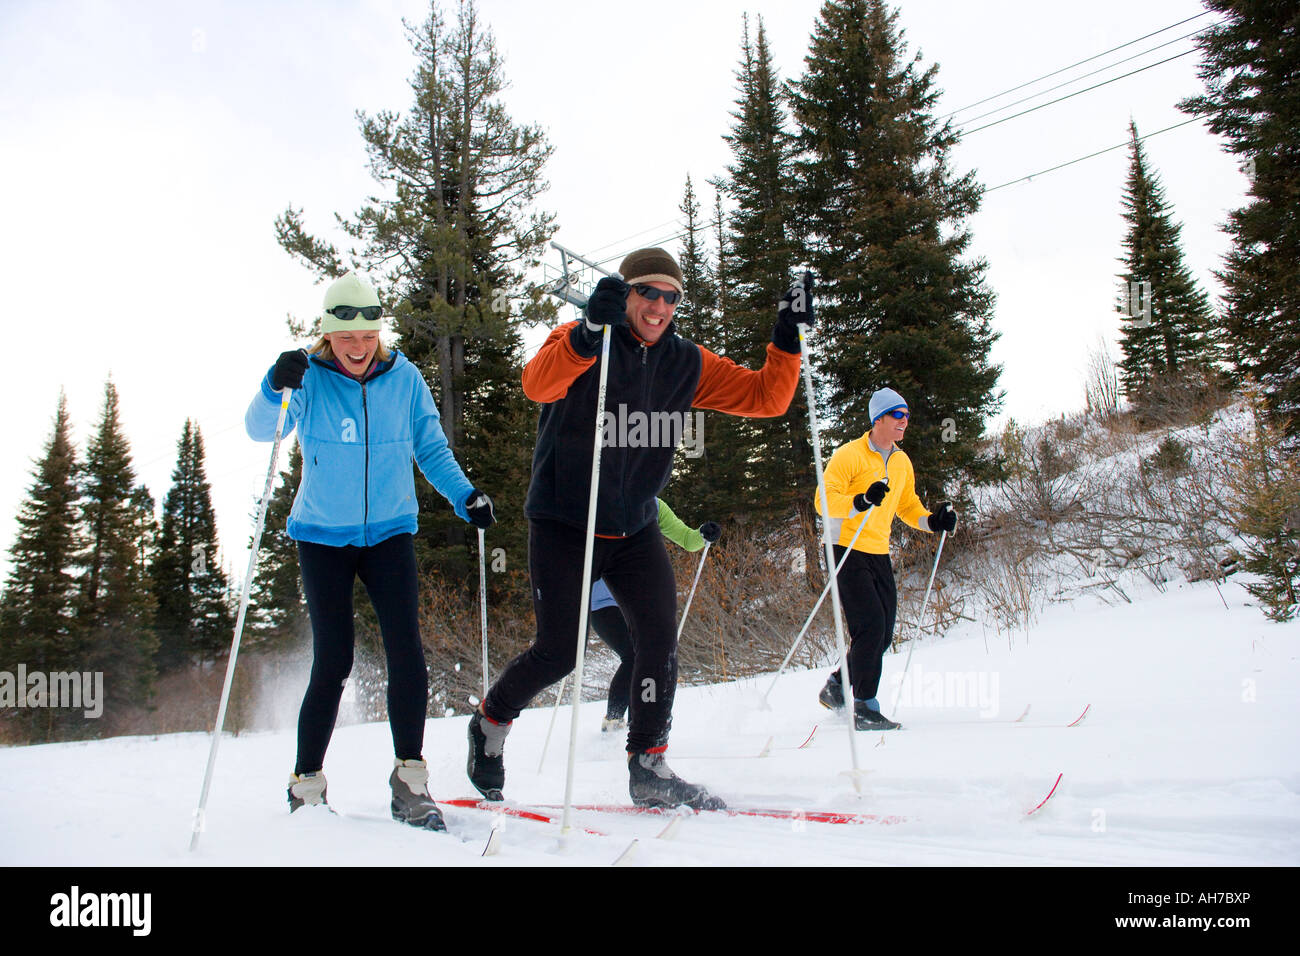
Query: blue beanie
883	402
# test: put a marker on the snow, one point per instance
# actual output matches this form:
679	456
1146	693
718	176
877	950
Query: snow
1187	757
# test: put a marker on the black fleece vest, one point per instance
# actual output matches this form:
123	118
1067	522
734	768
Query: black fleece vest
636	459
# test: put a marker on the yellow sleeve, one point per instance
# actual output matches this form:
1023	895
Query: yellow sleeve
910	508
842	472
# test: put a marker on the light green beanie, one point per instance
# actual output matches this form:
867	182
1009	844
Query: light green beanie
349	289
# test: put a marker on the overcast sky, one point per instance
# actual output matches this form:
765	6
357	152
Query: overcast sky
146	148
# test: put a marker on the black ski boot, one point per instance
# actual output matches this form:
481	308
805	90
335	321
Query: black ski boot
486	768
652	784
307	790
865	717
832	695
411	801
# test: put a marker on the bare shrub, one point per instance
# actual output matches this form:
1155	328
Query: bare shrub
1180	398
749	607
1101	382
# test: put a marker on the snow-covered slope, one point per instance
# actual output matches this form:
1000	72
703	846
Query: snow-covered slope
1188	756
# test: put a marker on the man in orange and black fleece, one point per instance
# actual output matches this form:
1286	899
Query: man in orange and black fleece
653	373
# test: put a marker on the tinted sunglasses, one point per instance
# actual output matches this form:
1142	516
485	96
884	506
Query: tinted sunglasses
899	413
651	293
349	312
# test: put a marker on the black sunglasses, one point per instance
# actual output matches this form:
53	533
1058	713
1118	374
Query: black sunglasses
349	312
651	293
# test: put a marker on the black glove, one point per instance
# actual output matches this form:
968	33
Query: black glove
289	369
796	308
711	531
479	508
607	305
873	496
944	518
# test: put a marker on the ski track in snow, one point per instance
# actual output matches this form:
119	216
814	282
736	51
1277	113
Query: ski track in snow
1188	757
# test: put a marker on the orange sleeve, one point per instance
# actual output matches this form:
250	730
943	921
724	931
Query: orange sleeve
550	372
726	387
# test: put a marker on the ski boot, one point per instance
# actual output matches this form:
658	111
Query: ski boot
652	784
612	723
411	801
866	716
832	694
307	790
486	768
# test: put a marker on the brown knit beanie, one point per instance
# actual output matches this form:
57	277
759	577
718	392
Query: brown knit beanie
651	265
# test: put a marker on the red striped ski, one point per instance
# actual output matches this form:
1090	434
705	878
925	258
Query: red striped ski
1042	802
544	812
809	816
523	813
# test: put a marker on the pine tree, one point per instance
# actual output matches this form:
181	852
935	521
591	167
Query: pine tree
764	253
277	612
452	245
1167	343
706	480
883	218
115	607
1253	99
194	620
38	624
1264	499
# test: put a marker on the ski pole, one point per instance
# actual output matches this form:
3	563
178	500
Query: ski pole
816	607
482	604
559	696
239	620
924	601
698	571
806	285
588	553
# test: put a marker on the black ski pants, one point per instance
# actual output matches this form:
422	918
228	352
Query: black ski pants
387	570
638	574
611	627
870	603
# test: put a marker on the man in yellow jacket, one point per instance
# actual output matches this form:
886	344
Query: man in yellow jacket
872	474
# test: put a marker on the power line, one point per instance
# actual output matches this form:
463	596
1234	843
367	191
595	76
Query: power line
1047	76
1043	172
1052	89
1068	96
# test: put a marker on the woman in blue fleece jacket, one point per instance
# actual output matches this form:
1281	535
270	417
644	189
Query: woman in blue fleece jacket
363	414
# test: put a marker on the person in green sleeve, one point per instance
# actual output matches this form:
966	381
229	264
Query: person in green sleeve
611	627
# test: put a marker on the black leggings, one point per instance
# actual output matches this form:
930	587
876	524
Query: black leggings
387	569
638	574
611	627
870	602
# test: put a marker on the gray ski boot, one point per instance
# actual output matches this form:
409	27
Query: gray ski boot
411	801
486	768
307	790
652	784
